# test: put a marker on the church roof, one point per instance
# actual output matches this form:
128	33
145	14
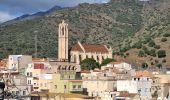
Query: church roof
90	48
76	47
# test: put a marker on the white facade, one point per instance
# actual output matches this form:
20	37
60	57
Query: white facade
120	66
16	62
141	85
97	84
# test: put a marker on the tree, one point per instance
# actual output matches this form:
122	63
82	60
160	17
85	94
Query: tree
161	53
141	53
166	35
157	47
137	45
106	61
144	65
153	52
163	39
89	63
151	43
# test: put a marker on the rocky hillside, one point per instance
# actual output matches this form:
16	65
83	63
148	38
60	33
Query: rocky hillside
123	24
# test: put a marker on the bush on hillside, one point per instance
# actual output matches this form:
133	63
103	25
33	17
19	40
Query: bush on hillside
157	47
163	39
161	53
152	52
151	43
144	65
141	53
166	35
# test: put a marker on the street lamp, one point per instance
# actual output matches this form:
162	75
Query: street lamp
2	86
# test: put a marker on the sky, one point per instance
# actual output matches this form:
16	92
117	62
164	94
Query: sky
10	9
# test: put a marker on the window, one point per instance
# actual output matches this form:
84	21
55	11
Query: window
17	92
102	58
80	58
138	79
13	92
86	56
65	87
74	86
31	74
135	79
97	58
24	92
79	86
139	90
27	74
56	86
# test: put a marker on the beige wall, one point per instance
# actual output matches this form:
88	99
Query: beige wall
63	41
99	57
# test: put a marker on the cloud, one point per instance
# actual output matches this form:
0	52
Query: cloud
31	6
11	8
4	16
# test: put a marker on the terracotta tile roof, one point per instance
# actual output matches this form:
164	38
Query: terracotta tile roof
95	48
90	48
117	62
38	59
85	71
75	80
144	73
76	47
3	63
126	94
64	95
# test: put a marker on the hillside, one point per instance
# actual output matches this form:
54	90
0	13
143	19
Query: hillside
119	23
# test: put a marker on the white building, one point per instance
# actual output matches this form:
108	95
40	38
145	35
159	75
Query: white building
118	65
98	84
18	62
140	85
15	86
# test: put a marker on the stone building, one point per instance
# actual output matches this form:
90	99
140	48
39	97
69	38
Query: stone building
98	52
79	51
63	41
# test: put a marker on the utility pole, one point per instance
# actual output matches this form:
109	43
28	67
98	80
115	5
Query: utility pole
35	39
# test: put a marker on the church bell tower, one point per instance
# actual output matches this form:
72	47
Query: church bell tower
63	41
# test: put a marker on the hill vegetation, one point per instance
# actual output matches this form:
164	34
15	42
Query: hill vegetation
137	31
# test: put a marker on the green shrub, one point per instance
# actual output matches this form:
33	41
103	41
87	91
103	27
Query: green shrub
138	45
141	53
106	61
166	35
144	65
161	53
152	52
151	43
157	47
89	63
163	39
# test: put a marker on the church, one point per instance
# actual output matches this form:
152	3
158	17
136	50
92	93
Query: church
79	51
